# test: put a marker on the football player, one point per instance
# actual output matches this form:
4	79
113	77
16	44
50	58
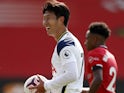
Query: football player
68	56
101	64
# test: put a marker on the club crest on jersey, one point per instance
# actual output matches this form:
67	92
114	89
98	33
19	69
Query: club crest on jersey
66	54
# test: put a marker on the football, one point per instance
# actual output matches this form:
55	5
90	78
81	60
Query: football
32	81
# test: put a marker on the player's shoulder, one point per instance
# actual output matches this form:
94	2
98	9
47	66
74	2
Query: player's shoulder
98	51
64	42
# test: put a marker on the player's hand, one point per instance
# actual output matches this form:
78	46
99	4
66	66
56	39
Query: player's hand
39	88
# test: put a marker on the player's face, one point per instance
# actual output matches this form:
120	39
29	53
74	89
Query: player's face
90	41
50	22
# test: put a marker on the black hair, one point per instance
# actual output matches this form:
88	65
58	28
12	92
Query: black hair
100	28
58	8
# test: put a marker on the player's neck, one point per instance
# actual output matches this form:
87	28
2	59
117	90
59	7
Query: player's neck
100	44
60	34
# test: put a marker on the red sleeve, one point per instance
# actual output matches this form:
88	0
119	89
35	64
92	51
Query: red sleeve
95	59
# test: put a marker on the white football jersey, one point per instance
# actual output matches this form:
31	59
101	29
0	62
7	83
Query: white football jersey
68	66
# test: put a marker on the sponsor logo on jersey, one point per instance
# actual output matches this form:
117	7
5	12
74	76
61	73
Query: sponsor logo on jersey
91	59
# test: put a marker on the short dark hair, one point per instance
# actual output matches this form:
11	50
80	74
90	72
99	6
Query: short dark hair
58	8
100	28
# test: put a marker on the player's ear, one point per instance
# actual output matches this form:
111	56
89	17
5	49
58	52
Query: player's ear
95	39
61	19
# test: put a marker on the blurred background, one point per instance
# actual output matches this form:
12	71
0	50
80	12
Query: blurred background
25	48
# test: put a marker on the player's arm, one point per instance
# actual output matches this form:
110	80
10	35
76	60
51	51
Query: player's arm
70	75
85	88
97	79
70	70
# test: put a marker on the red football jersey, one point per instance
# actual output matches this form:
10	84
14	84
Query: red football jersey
102	57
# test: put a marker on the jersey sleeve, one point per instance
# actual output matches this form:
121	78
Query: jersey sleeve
95	59
70	74
65	50
67	55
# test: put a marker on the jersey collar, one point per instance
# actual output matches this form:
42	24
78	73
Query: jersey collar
103	46
62	35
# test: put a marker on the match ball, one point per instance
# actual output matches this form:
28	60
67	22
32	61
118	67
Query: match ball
32	81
